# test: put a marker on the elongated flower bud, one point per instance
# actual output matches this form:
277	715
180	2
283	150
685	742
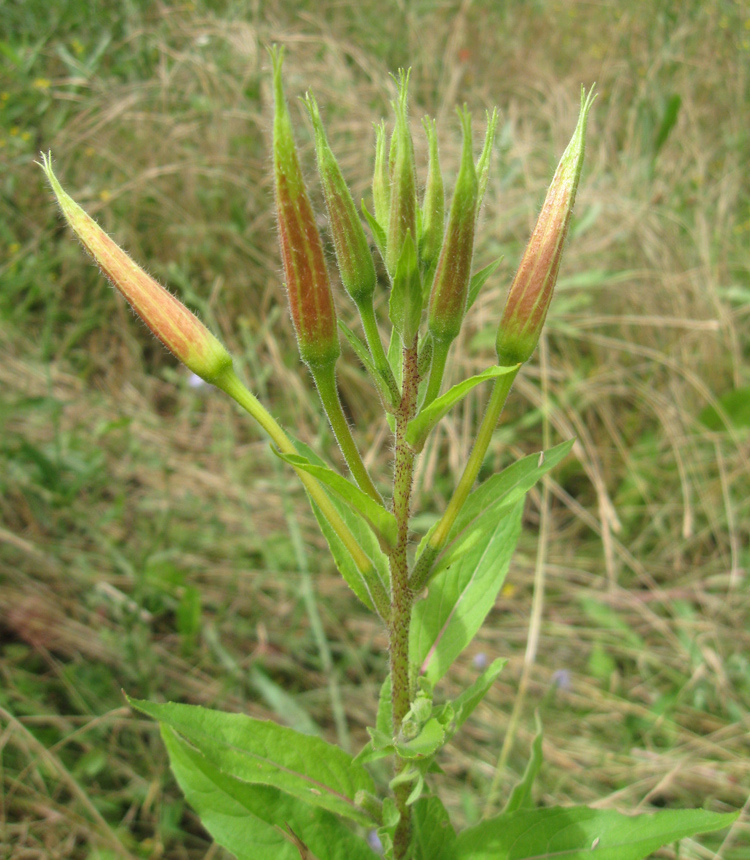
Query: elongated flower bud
433	206
353	255
177	328
402	219
381	182
307	282
451	284
531	291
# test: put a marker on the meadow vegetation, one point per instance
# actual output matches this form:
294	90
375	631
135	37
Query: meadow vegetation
150	542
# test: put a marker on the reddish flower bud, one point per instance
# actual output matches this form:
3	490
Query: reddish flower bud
353	255
402	219
307	282
177	328
531	291
451	284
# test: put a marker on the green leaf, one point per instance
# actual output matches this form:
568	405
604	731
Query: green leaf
465	704
420	427
363	354
378	233
382	522
383	728
733	411
580	833
520	797
478	280
405	304
433	836
448	618
366	539
430	739
244	818
499	491
264	753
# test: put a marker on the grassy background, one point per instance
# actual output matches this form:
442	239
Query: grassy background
149	542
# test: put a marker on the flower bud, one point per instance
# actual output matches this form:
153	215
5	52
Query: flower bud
451	284
433	207
531	291
353	255
177	328
381	183
307	282
402	218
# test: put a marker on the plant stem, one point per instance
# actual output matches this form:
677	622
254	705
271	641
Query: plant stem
401	594
372	336
231	384
325	381
439	537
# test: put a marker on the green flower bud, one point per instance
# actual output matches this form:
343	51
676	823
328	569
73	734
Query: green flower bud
183	334
352	248
531	291
381	182
451	283
402	218
433	207
307	282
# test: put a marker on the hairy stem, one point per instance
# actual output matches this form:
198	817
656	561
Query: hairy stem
401	594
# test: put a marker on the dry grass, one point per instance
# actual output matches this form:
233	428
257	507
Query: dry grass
124	488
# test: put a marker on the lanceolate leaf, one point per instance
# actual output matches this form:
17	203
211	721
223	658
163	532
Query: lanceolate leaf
264	753
478	280
421	426
500	491
473	695
580	833
243	818
448	618
520	797
361	531
382	522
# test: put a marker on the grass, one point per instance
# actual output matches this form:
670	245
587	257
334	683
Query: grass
144	527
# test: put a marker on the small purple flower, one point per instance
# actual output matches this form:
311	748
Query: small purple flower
373	840
561	679
480	661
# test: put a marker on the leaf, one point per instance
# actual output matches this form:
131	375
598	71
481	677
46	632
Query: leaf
420	427
456	605
580	833
405	304
501	490
478	280
361	531
733	411
243	818
378	233
520	797
363	354
465	704
383	729
265	753
433	836
430	739
382	522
